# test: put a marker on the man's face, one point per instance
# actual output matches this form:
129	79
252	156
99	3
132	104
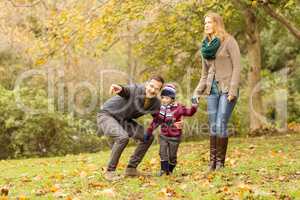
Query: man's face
153	88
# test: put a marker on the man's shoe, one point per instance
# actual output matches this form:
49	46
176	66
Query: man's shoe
112	176
131	172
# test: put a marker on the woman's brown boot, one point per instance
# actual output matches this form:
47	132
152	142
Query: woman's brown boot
213	153
222	143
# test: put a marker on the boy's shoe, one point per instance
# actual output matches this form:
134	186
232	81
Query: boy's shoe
112	176
131	172
161	173
164	168
171	168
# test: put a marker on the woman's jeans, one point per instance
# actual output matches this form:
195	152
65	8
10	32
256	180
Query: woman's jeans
219	112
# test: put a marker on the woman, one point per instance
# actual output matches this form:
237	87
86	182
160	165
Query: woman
220	79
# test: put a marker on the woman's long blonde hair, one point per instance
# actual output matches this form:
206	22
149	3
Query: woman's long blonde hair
219	27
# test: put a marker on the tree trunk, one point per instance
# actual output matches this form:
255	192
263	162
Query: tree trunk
131	60
254	57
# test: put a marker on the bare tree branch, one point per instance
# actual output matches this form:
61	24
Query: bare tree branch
293	29
25	5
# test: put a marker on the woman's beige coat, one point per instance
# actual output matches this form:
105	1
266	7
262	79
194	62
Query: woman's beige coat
226	68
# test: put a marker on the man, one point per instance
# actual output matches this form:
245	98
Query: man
116	120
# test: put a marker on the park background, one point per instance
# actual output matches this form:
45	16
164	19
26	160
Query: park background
59	57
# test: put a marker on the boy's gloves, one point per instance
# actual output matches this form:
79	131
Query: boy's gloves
146	137
195	100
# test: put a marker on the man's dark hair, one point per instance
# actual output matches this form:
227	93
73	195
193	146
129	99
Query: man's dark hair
158	78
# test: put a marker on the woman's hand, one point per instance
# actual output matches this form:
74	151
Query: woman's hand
195	100
230	98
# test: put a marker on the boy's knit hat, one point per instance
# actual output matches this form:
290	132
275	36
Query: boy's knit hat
169	90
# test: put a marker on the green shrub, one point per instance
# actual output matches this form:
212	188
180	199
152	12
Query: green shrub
25	134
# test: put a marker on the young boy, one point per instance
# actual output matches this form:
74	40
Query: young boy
170	136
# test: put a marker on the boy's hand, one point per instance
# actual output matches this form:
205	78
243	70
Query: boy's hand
115	89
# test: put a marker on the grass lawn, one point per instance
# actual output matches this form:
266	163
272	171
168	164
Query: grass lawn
257	168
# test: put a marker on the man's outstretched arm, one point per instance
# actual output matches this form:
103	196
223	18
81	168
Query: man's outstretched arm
120	90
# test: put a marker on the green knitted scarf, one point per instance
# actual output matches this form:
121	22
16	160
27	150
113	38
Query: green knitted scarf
209	49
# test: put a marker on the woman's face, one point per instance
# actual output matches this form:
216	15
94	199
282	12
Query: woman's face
208	26
165	100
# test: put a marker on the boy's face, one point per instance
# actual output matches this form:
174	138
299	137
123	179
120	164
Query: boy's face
165	100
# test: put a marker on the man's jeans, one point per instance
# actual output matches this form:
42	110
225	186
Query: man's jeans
120	132
219	112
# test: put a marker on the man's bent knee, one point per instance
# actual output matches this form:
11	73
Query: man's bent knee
123	140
